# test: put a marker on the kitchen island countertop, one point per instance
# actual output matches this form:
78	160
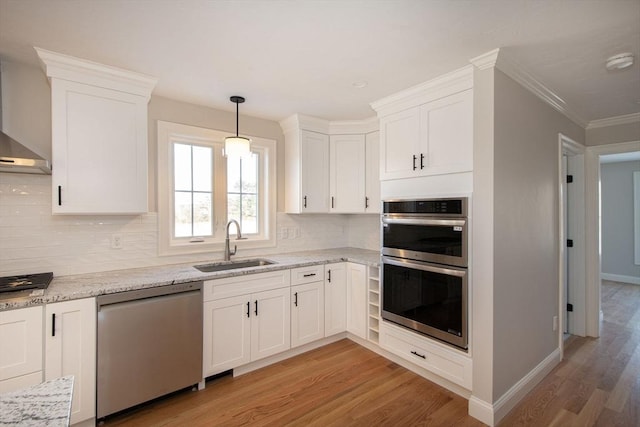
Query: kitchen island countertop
79	286
48	403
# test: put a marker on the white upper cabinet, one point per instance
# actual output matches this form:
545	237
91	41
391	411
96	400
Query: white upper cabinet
331	166
428	130
372	173
347	173
99	136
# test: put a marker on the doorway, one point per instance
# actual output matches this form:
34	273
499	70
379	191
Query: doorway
593	228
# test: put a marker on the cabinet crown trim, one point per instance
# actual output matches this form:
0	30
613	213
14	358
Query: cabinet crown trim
65	67
298	122
448	84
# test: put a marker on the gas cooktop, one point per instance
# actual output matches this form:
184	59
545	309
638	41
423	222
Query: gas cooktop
25	282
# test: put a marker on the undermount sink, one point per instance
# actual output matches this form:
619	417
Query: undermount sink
232	265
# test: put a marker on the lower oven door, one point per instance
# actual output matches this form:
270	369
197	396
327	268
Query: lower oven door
428	298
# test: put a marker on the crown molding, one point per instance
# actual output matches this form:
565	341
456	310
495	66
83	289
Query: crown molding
347	127
298	122
486	60
65	67
539	89
445	85
614	121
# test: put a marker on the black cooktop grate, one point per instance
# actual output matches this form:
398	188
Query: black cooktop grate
25	281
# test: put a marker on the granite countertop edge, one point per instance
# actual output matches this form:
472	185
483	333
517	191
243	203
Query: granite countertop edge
65	288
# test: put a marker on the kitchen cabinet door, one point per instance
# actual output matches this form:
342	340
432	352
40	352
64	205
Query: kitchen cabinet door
99	150
335	298
372	173
307	313
357	300
399	143
347	173
270	323
227	334
70	349
314	170
21	353
446	135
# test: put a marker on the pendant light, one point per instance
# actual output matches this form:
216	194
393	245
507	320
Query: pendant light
237	145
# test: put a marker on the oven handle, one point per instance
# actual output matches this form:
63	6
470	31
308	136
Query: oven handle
417	265
424	221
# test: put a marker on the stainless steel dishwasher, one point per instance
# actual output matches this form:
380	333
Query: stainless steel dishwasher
149	344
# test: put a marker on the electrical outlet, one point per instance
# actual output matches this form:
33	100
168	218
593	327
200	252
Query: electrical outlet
555	323
116	241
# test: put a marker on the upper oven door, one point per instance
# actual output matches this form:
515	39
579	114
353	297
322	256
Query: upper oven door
443	241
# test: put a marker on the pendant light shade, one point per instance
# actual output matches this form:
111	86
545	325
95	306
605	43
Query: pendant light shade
237	145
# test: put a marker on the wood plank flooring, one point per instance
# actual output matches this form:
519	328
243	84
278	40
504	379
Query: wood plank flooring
336	385
343	384
598	382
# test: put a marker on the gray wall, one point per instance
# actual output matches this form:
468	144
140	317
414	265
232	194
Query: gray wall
616	186
526	234
613	134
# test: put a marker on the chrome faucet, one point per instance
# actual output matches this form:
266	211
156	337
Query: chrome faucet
227	249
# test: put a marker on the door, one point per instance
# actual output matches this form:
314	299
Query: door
70	349
307	313
347	173
23	329
372	173
314	169
399	134
270	323
335	297
227	334
357	300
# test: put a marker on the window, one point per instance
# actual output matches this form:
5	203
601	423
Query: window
200	190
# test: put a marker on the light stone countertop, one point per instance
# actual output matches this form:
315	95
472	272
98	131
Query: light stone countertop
79	286
45	404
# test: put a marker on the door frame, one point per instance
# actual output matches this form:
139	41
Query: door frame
593	228
576	230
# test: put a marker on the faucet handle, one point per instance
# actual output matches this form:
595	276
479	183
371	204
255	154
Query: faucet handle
241	238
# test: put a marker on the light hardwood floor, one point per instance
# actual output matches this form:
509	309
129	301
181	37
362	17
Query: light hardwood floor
343	384
598	382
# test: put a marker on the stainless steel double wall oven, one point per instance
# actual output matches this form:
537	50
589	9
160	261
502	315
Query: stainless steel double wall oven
424	267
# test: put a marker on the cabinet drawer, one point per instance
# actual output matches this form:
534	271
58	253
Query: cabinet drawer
245	284
313	273
421	351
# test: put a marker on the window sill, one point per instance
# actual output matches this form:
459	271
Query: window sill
211	247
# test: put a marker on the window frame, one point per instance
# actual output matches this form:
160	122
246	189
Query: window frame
169	133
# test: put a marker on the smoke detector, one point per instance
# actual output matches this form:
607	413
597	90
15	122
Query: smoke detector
620	61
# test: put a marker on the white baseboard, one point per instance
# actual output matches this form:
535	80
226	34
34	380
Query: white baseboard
620	278
491	414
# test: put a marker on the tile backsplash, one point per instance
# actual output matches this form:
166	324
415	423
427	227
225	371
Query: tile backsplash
33	240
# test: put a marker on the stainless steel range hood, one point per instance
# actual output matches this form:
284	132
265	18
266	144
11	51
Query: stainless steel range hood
16	158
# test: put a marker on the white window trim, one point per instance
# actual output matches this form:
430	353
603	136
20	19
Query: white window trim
168	132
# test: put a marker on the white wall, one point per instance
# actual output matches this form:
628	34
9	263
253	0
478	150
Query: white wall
616	186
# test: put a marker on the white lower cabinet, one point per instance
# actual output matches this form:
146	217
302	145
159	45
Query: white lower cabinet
307	313
243	328
70	349
335	299
426	353
357	300
21	348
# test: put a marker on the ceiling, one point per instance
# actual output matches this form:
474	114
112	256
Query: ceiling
304	56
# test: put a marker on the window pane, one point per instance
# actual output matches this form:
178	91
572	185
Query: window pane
202	217
182	224
182	167
233	207
233	174
249	214
249	174
202	168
